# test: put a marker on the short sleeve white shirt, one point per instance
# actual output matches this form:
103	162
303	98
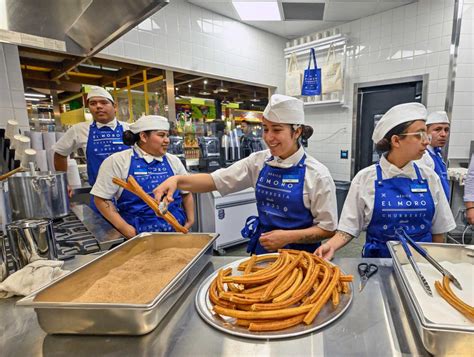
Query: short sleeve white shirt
118	165
319	191
76	137
359	205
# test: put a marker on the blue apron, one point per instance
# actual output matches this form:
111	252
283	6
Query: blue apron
135	211
399	202
440	169
280	205
101	143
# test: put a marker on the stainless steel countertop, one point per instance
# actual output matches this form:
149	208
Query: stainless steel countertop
376	324
105	234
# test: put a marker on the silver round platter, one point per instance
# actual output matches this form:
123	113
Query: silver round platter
327	315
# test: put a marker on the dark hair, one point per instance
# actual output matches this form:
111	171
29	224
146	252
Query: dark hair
306	131
385	144
130	138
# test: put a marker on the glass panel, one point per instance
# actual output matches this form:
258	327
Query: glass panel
138	102
157	98
122	105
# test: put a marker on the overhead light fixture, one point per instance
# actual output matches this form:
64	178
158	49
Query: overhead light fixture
221	89
257	10
35	95
255	99
33	99
204	91
238	100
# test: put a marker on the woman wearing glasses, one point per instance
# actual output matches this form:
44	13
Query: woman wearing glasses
394	194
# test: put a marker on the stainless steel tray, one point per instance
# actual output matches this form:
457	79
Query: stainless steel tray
438	339
55	316
204	308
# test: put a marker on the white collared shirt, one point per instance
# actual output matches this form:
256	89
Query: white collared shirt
77	135
118	165
426	159
319	191
359	205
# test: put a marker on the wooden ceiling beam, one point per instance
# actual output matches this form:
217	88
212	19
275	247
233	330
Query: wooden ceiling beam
65	86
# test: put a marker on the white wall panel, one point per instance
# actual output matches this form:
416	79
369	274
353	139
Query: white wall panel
185	36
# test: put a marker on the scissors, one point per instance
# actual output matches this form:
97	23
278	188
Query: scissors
366	271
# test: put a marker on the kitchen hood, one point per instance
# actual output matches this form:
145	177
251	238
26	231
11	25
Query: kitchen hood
85	27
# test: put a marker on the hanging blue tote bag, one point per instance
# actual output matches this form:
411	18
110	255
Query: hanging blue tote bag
312	77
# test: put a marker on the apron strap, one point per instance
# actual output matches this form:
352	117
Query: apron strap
378	170
418	174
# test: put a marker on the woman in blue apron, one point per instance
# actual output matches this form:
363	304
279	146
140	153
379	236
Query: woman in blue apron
394	194
438	128
150	164
296	200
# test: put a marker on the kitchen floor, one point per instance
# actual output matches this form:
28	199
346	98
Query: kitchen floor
351	250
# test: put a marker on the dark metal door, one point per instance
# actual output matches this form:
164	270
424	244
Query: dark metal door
372	103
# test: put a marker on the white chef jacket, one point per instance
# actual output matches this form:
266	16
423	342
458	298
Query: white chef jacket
426	159
77	135
319	191
118	165
357	211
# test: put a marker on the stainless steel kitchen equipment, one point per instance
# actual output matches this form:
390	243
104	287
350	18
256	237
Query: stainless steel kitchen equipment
30	240
203	305
42	195
226	214
57	314
438	339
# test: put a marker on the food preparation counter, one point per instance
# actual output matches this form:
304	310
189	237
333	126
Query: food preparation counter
376	324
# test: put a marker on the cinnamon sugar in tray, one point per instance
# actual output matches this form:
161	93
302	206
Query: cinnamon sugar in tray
140	279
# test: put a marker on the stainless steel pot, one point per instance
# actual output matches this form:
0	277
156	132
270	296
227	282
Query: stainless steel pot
42	195
30	240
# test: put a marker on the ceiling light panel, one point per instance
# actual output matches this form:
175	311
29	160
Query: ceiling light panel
257	10
303	11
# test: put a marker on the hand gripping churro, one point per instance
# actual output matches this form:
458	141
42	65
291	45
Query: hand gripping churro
278	291
134	187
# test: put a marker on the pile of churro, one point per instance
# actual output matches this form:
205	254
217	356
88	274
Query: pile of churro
277	291
444	289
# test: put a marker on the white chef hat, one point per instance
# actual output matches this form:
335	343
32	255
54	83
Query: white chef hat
437	118
150	122
397	115
99	92
285	110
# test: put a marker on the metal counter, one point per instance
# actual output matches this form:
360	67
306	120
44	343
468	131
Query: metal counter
376	324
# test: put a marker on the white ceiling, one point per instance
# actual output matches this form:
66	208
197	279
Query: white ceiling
336	12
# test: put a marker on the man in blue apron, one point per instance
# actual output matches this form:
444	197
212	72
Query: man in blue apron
98	139
438	127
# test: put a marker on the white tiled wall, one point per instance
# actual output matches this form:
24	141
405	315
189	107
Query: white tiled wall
409	40
185	36
462	128
12	99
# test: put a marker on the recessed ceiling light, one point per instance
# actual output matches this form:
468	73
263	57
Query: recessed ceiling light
257	10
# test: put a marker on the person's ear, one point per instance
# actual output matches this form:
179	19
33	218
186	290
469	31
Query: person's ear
395	141
143	137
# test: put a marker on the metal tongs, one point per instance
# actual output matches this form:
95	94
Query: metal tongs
401	233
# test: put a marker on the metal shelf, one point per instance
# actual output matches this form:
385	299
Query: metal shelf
324	103
319	45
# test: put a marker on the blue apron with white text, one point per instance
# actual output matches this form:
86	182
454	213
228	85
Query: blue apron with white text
279	195
440	169
399	202
101	143
135	211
